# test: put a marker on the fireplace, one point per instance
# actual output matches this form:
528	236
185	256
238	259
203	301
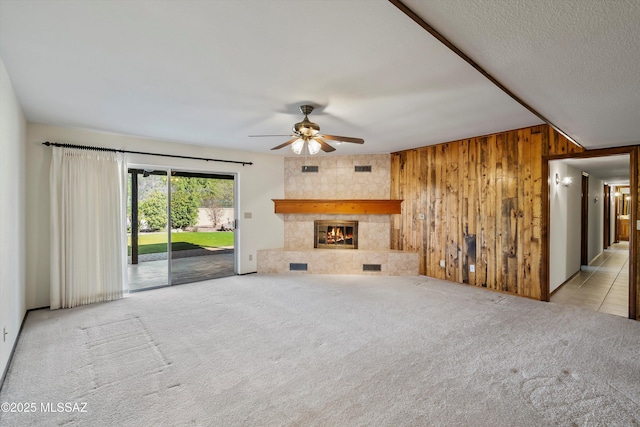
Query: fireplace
335	234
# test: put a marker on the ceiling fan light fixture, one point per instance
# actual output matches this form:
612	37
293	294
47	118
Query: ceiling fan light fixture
313	146
306	137
297	146
306	128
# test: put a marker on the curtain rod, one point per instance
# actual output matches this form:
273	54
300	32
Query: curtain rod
115	150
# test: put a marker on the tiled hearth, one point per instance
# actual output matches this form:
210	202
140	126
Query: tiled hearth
338	261
337	179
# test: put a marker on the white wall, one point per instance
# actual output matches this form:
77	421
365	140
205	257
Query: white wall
227	215
564	236
12	213
596	217
257	185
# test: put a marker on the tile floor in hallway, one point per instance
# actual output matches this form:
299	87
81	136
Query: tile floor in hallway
603	285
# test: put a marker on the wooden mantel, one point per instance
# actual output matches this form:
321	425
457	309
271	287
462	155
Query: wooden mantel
337	206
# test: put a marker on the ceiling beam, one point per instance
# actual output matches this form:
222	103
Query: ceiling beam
418	20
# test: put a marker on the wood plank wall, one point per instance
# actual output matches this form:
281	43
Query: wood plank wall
481	200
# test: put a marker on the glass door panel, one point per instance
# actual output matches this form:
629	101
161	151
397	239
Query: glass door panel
147	208
202	226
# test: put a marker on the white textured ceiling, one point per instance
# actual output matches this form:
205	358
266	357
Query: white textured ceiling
577	62
613	170
214	72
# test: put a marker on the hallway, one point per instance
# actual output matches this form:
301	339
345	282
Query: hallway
602	286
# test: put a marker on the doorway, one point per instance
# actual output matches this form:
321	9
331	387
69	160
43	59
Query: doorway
622	201
584	220
180	227
607	217
599	274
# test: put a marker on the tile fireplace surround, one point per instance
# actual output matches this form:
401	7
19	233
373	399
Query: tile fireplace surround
336	178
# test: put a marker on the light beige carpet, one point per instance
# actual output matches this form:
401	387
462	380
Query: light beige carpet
325	351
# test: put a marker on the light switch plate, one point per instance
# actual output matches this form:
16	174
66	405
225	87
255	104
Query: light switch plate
421	216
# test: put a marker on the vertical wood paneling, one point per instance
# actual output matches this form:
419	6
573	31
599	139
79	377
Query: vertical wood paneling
487	206
482	205
537	181
430	213
558	144
395	188
524	212
510	212
424	203
452	224
502	223
440	236
470	212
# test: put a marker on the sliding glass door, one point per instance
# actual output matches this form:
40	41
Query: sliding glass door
185	227
202	226
147	229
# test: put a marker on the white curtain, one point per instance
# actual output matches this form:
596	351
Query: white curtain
88	238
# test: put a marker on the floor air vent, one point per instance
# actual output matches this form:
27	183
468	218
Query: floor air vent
310	169
297	266
371	267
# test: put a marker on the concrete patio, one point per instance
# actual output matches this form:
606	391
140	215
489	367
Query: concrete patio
154	272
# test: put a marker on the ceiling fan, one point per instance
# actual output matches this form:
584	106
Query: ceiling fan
306	134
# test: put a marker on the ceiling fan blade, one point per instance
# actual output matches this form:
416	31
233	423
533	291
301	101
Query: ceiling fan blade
324	146
289	142
343	138
254	136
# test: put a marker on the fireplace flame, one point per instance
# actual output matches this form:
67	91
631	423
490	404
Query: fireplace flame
336	235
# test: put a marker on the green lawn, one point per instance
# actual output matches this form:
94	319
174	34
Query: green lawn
151	243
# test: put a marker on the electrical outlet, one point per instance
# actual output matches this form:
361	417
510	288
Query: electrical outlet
442	264
472	268
421	216
250	257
